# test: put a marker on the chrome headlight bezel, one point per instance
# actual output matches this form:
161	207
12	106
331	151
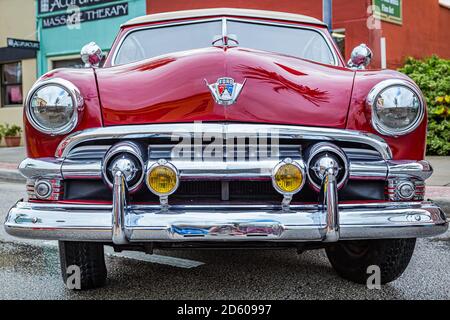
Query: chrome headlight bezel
381	87
74	94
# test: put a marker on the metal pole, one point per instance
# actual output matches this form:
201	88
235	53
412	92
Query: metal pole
328	13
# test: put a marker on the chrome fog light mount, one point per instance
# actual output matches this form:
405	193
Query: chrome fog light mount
326	156
288	179
128	158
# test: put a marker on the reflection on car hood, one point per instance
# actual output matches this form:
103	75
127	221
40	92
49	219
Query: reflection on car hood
278	89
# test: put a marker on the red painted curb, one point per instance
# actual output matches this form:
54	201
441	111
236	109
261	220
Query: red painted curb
437	192
8	166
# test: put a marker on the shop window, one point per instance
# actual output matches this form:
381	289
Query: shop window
339	38
68	63
11	84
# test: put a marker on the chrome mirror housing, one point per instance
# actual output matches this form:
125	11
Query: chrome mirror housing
91	55
361	57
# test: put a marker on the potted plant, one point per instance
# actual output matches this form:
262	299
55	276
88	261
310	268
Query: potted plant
2	129
12	135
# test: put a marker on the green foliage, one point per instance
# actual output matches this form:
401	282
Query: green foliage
2	129
432	75
10	130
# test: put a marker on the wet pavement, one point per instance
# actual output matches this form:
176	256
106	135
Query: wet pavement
30	270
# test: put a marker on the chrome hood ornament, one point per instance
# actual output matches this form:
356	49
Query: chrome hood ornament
225	91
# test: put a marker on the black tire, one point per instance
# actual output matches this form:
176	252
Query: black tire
89	257
351	259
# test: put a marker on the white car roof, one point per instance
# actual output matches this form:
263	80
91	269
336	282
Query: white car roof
175	15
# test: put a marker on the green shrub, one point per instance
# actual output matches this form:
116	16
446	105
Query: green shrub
11	131
2	129
432	75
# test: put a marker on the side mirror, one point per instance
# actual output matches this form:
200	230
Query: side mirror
91	55
361	57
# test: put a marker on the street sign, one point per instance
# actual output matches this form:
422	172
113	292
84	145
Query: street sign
22	44
389	10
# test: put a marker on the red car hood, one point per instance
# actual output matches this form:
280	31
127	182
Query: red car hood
172	88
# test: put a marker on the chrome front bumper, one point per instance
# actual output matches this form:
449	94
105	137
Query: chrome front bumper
231	223
120	223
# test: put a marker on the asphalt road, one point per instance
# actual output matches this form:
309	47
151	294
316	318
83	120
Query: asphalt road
30	270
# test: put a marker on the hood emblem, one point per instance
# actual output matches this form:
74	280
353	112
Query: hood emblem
225	91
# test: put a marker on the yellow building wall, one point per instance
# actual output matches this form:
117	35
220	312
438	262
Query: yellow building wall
18	20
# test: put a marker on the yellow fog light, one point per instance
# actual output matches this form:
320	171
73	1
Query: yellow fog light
288	177
162	178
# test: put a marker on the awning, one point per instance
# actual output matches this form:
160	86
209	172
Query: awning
14	54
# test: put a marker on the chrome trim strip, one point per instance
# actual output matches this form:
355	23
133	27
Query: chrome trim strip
232	223
368	170
406	169
210	170
281	24
67	207
201	13
217	129
82	169
46	168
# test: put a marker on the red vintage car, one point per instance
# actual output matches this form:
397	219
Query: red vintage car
227	128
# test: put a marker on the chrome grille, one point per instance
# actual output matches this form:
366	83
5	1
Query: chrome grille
243	152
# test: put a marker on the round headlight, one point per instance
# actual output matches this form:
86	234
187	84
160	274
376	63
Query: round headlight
162	178
288	177
397	107
52	106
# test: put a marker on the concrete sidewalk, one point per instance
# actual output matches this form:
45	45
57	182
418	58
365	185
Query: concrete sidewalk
9	160
438	186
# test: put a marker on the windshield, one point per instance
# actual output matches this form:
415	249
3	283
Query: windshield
154	41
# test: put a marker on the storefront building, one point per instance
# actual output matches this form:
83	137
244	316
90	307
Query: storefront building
65	26
17	57
394	29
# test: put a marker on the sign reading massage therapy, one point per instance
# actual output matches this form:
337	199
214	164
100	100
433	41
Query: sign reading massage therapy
389	10
73	14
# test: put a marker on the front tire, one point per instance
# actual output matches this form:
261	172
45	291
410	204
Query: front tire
89	258
351	259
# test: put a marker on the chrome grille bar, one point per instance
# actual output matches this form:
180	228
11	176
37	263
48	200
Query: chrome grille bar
224	130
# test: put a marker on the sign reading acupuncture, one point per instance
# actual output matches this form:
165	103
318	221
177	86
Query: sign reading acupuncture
389	10
63	19
49	6
22	44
